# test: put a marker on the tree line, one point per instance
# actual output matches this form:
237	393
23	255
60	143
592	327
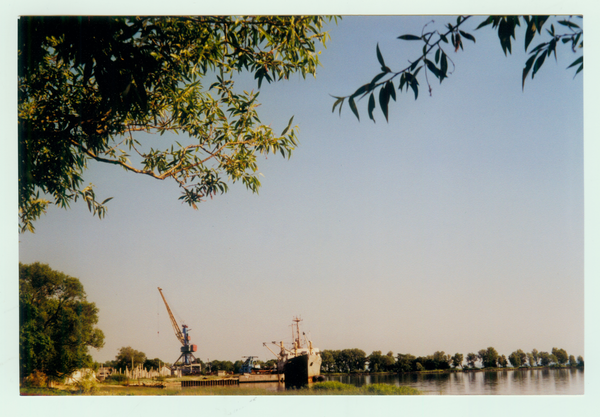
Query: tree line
356	360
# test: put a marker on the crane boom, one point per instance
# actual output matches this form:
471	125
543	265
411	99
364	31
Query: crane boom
178	333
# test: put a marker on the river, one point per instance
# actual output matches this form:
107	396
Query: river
509	382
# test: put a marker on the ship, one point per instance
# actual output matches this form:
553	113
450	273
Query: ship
301	364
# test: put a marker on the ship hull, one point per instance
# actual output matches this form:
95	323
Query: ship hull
301	370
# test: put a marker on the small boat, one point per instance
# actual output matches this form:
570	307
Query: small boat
301	364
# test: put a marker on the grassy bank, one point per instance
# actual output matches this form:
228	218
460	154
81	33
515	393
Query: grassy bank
321	388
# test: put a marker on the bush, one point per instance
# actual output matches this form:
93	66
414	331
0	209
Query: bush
386	389
333	386
117	379
87	384
372	389
36	379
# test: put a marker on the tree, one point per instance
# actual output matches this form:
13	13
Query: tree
580	361
388	362
129	358
327	361
93	88
535	355
515	359
155	363
502	361
545	358
561	356
481	355
490	358
57	324
471	359
457	360
572	360
405	362
435	60
375	359
530	360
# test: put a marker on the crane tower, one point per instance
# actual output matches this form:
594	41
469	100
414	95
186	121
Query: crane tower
186	357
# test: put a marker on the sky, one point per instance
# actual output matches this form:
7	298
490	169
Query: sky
457	225
454	227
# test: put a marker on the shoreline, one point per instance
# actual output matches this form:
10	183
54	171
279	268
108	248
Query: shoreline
450	371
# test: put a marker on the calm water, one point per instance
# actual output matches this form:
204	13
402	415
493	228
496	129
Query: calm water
520	382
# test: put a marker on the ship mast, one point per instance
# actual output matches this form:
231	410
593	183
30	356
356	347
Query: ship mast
297	340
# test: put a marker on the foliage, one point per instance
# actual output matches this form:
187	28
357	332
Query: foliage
155	363
129	358
87	383
57	323
518	358
561	356
535	355
387	389
337	388
580	361
347	360
545	358
502	361
227	366
332	386
471	359
490	358
404	362
457	360
35	379
435	60
93	88
515	359
117	379
381	363
572	360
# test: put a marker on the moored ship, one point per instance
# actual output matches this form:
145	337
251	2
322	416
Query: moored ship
301	364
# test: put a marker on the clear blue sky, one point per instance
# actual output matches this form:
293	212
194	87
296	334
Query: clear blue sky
456	226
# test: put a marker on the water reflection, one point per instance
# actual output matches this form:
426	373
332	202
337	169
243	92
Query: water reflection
508	382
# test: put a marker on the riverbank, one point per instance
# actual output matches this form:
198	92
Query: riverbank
321	388
451	370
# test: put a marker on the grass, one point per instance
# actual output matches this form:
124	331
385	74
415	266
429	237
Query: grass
321	388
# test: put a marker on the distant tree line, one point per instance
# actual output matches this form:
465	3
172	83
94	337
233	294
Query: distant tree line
356	360
129	358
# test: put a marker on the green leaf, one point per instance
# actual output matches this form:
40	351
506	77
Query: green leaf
390	87
577	61
380	57
568	24
353	107
467	35
375	79
437	55
444	66
528	65
529	33
538	64
414	85
363	89
371	106
287	127
431	67
409	38
486	22
384	99
340	101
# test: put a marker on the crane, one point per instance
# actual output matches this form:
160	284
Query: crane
182	335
